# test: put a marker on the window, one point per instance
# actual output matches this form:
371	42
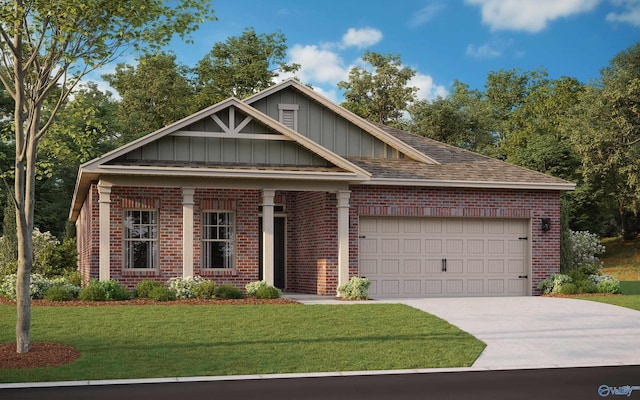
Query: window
218	239
141	239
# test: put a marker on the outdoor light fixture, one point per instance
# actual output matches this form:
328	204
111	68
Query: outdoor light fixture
546	224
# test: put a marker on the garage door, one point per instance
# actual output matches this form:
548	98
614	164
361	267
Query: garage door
422	257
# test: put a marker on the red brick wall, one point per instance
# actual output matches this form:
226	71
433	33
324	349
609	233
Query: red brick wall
312	246
311	228
472	203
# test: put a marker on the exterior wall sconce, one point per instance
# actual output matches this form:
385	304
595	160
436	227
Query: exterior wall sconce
545	226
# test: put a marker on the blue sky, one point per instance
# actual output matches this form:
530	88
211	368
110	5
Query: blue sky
442	40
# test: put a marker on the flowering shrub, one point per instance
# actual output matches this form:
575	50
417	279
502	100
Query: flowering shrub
38	287
553	283
608	286
184	287
253	287
585	247
355	289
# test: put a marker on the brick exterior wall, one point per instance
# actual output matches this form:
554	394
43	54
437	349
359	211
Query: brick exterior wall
471	203
312	249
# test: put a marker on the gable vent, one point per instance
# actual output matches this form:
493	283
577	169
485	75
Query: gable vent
288	115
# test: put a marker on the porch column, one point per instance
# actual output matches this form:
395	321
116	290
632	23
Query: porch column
343	235
187	231
268	274
104	199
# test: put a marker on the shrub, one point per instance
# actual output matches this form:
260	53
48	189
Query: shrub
205	290
114	290
57	293
228	292
585	286
38	286
183	287
268	292
585	247
143	288
355	289
568	288
252	288
553	283
608	286
161	293
93	292
73	277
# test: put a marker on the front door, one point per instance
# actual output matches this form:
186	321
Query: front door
279	235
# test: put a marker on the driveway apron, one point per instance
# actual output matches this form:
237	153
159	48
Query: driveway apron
542	332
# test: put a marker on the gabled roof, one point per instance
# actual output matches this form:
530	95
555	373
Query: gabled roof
426	162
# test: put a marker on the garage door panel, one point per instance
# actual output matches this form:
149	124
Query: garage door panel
390	246
412	267
390	267
403	257
412	246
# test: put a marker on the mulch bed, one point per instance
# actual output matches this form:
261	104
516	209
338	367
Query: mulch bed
143	302
39	355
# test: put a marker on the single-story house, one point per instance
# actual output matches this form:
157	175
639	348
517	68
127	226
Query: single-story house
289	187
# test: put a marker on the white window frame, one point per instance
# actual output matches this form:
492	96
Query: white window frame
228	240
128	250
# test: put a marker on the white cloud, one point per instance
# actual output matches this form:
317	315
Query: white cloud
425	15
361	38
318	65
631	15
427	89
494	48
528	15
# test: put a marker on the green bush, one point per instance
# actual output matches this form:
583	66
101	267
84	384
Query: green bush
355	289
162	293
58	293
568	288
38	286
183	287
114	290
93	292
553	283
585	286
608	286
268	292
144	288
253	287
73	277
228	292
205	290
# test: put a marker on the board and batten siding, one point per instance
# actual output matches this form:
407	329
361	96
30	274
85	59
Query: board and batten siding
327	128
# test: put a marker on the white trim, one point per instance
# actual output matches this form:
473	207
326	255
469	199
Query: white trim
187	231
104	217
342	197
222	135
268	226
469	184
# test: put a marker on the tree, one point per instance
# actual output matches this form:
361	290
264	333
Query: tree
47	46
606	132
241	66
460	119
382	96
154	94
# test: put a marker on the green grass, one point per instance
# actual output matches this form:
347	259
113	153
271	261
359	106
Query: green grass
622	259
632	301
118	342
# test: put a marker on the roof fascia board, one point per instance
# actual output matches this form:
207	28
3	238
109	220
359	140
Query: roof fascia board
348	115
471	184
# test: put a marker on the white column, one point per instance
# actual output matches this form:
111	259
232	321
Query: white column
268	274
187	231
104	199
343	235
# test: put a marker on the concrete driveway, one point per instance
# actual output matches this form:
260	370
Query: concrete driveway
541	332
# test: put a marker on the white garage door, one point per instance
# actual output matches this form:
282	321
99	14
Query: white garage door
423	257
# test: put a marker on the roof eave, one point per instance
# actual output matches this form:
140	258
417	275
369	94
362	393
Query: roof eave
568	186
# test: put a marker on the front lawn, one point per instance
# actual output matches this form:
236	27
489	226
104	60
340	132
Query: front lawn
120	342
631	301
